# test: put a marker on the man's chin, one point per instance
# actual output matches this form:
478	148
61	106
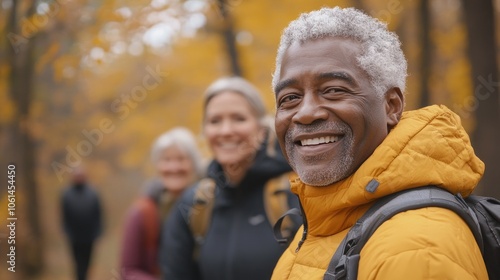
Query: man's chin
313	179
319	179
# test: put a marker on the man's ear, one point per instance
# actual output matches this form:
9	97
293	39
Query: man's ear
394	105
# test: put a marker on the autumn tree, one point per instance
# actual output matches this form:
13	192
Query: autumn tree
425	61
22	39
484	104
227	32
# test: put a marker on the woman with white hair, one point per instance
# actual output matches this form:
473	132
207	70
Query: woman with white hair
178	164
238	240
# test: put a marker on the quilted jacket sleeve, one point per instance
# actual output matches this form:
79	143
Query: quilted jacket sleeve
429	243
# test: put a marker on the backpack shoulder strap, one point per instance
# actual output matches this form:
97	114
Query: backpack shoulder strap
344	263
487	210
276	202
200	214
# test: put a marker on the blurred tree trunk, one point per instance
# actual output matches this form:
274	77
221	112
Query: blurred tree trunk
358	4
425	53
229	38
485	104
29	241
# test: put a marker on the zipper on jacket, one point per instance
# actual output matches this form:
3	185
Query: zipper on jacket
304	233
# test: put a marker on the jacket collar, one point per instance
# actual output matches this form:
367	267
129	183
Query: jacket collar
428	147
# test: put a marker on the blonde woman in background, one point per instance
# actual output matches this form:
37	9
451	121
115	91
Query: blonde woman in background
239	241
178	164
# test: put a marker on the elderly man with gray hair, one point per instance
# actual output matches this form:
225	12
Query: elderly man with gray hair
339	85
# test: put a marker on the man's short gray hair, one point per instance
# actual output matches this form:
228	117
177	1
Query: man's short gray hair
183	139
381	55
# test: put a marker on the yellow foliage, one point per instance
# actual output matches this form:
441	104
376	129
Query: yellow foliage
459	83
458	78
101	170
62	64
451	83
8	109
447	42
387	11
3	214
47	57
37	128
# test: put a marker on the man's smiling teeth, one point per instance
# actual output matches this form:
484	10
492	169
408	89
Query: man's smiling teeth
319	140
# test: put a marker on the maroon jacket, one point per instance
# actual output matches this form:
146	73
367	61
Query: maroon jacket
139	258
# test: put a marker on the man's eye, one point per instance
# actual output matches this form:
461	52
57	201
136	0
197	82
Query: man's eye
334	90
288	98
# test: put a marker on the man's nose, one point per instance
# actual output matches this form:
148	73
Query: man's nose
310	110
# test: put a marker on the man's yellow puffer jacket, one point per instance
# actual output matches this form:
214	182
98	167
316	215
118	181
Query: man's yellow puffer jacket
428	147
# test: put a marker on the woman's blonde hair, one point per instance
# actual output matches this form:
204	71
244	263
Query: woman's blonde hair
244	88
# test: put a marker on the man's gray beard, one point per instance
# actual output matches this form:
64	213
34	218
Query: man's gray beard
336	170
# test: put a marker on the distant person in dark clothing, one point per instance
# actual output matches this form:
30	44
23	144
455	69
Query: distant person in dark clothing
82	220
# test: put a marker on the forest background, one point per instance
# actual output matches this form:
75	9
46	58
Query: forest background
95	82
